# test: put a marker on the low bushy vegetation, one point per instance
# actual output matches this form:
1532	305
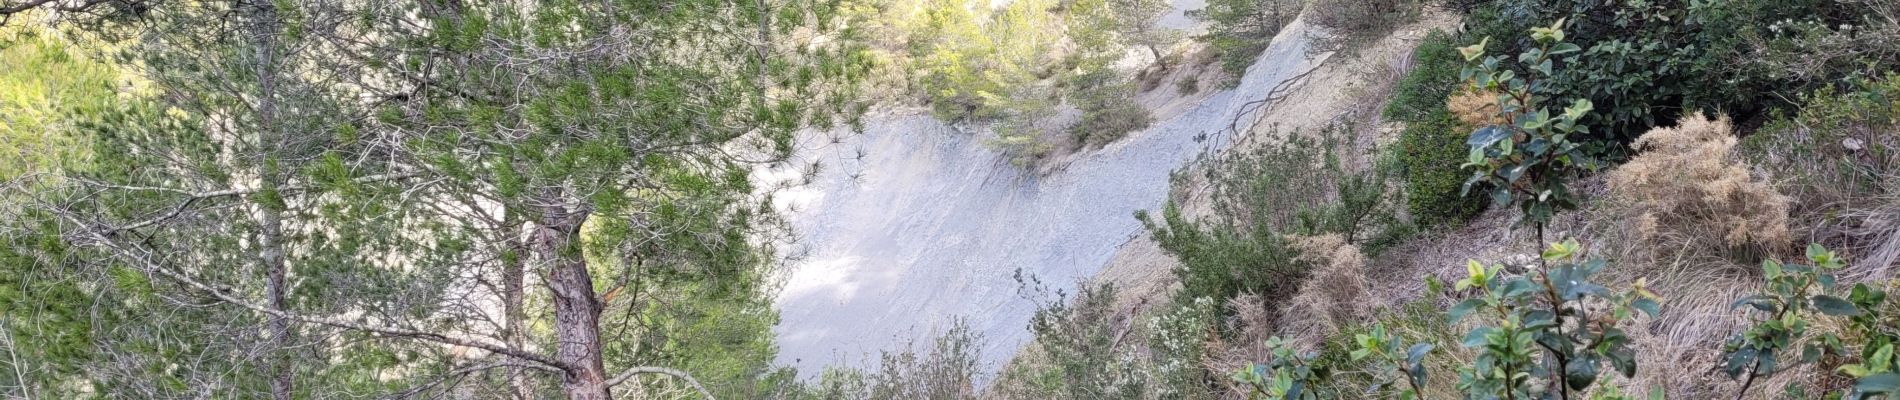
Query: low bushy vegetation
1531	160
1356	21
1238	30
1261	195
1107	112
1082	350
1646	63
947	369
1839	160
1431	148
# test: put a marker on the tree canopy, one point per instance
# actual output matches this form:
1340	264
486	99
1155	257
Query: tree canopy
395	198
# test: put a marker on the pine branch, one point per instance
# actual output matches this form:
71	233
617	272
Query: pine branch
630	372
142	260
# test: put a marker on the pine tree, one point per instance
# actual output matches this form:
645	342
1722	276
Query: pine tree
334	194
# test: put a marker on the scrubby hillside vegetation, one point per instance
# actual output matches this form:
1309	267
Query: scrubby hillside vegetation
1552	199
1569	199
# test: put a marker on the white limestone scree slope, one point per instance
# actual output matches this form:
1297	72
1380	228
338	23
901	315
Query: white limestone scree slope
934	224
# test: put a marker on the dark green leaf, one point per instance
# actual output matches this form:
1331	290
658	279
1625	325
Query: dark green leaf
1759	302
1579	373
1624	360
1835	306
1475	338
1887	383
1417	352
1739	362
1487	136
1648	306
1463	308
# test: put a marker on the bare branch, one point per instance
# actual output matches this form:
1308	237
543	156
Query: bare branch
191	197
682	375
7	11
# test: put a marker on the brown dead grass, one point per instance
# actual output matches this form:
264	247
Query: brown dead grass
1475	108
1252	325
1333	296
1688	196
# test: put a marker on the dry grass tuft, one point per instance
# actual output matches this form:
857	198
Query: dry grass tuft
1474	108
1688	192
1253	324
1334	296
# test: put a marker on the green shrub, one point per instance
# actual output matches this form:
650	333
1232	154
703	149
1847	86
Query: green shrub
1358	21
946	370
1220	262
1645	63
1433	78
1540	326
1432	146
1188	85
1544	334
1178	349
1417	322
1288	374
1431	152
1259	196
1530	160
1107	113
1798	297
1238	30
1107	122
1080	352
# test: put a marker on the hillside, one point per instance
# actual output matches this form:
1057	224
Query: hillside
949	199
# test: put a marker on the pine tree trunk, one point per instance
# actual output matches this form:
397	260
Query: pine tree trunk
576	310
273	259
270	218
513	315
1159	62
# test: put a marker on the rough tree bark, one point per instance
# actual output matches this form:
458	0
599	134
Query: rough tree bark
576	309
1159	61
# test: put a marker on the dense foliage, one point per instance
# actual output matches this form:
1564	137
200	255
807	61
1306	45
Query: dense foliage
1019	67
1644	63
1527	157
41	80
1432	148
1266	193
418	199
1354	22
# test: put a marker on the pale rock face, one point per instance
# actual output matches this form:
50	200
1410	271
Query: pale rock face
929	225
